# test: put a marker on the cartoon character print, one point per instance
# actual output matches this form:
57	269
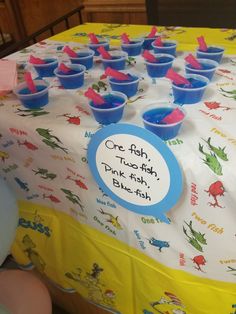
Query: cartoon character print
215	190
196	238
92	281
170	300
36	259
233	307
199	261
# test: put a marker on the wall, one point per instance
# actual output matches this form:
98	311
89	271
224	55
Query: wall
113	11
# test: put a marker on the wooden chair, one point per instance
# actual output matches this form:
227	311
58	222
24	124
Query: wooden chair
192	13
33	38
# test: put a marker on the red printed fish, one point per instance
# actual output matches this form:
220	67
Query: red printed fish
78	182
52	198
215	105
28	145
72	120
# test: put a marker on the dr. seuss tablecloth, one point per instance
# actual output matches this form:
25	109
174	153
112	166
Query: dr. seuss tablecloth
72	232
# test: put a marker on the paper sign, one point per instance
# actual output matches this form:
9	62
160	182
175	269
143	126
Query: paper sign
136	169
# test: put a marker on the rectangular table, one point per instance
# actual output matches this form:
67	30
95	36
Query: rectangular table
82	240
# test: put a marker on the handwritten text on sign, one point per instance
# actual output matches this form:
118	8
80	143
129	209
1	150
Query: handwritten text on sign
136	169
136	174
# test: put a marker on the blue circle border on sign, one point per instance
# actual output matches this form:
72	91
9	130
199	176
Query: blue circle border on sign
176	180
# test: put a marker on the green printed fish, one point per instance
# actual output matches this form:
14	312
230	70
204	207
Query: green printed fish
193	241
31	112
200	237
229	94
218	151
46	133
73	198
54	145
211	161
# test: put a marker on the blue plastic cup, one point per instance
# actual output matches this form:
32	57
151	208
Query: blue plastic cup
169	47
32	100
112	111
102	42
152	116
147	43
185	94
117	62
85	57
46	69
213	53
74	78
127	87
134	48
208	68
159	68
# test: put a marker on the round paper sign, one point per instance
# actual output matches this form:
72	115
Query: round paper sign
136	169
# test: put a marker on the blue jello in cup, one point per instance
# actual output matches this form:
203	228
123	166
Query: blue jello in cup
112	110
73	78
147	43
190	94
102	42
169	47
84	57
212	52
161	66
128	87
32	100
133	48
208	68
152	119
46	69
117	61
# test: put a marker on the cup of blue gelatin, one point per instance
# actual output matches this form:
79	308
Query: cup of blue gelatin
46	69
73	78
32	100
134	47
213	52
190	93
112	110
128	87
84	57
169	47
161	66
208	68
117	61
102	42
153	115
147	42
